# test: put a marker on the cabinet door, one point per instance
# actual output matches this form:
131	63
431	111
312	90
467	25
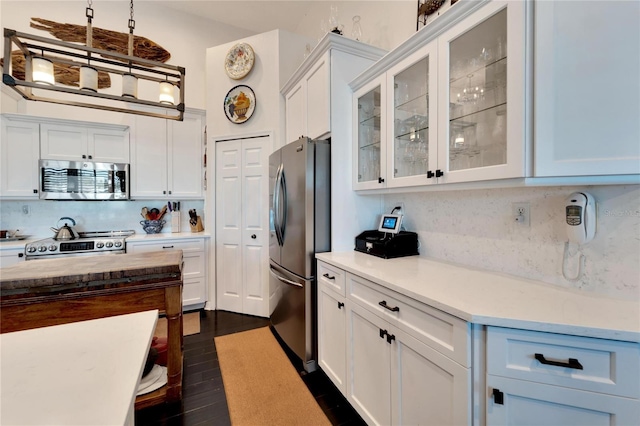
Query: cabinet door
19	154
413	136
149	158
108	145
63	142
10	257
332	336
368	366
295	113
318	106
586	104
529	403
369	118
427	387
482	95
185	160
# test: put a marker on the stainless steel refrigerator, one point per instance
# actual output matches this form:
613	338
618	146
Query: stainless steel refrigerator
300	212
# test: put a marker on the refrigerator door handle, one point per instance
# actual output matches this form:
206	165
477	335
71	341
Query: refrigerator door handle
284	280
285	207
276	206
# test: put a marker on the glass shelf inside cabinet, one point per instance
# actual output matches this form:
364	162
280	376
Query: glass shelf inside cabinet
369	117
478	95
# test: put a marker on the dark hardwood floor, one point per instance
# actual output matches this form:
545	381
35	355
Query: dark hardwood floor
204	401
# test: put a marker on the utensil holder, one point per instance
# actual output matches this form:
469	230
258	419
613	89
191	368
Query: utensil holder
175	221
198	226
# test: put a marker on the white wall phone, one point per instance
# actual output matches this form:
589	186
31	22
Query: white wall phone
580	212
580	224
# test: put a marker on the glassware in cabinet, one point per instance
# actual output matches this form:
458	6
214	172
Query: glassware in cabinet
478	95
369	135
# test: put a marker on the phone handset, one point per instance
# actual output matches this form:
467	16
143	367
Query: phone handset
580	223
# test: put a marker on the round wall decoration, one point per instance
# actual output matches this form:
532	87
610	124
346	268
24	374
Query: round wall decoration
239	61
239	104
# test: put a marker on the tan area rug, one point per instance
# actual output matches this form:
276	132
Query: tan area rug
190	325
261	385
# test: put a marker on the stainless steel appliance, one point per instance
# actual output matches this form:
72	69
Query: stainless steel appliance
300	212
83	180
87	243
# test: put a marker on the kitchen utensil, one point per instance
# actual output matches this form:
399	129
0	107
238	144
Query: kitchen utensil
193	218
163	210
144	213
65	232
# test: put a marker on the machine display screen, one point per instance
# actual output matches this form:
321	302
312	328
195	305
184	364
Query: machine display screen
390	223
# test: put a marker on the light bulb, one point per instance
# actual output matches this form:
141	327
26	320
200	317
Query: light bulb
166	93
42	70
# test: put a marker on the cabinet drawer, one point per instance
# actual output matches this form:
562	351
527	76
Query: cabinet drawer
331	277
195	244
608	366
443	332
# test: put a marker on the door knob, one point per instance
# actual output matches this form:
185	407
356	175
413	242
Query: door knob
253	236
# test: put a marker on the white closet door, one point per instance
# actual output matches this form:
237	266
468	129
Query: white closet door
255	226
242	226
229	225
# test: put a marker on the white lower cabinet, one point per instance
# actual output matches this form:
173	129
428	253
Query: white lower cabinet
550	379
194	276
10	257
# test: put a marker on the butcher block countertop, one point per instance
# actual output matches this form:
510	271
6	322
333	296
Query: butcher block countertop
492	298
53	275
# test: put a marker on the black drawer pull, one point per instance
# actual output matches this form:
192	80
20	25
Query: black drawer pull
383	333
340	305
167	247
329	277
390	337
573	363
498	397
384	305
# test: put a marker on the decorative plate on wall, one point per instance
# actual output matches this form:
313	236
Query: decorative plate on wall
239	104
239	61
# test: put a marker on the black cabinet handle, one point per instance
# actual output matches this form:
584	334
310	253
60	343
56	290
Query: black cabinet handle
392	309
91	157
380	180
340	305
383	333
390	338
498	397
164	192
84	156
35	191
167	247
430	174
253	236
20	254
572	363
439	173
329	277
169	192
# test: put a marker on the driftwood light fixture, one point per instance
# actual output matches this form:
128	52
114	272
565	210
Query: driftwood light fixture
24	53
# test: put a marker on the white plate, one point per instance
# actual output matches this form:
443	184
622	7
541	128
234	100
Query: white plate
156	378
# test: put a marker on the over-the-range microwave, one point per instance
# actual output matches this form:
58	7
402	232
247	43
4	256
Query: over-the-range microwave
83	180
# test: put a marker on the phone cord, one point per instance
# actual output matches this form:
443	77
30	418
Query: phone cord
564	264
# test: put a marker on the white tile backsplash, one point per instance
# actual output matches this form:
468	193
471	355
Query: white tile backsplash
89	215
476	228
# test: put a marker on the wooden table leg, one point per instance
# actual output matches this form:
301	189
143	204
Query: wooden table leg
173	300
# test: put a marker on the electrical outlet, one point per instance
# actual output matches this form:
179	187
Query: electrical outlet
26	209
521	213
401	209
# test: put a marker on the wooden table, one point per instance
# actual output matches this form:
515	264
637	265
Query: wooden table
48	292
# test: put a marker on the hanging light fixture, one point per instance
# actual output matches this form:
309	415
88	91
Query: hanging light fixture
91	61
42	70
129	80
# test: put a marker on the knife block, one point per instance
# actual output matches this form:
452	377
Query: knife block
198	226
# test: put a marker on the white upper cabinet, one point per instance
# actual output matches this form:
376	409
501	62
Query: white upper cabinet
587	88
167	157
449	105
80	142
19	155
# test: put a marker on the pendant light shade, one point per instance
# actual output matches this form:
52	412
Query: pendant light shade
42	70
166	93
88	78
129	85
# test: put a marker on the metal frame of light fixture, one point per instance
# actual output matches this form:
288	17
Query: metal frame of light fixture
78	55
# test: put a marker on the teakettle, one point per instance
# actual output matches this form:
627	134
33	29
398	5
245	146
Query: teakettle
65	232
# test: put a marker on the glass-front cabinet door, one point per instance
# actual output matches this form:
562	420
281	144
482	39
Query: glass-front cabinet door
482	95
412	130
369	132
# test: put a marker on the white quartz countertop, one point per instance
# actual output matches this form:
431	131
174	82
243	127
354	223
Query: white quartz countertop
83	373
491	298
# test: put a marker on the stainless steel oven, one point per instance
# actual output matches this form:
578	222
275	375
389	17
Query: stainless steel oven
88	244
